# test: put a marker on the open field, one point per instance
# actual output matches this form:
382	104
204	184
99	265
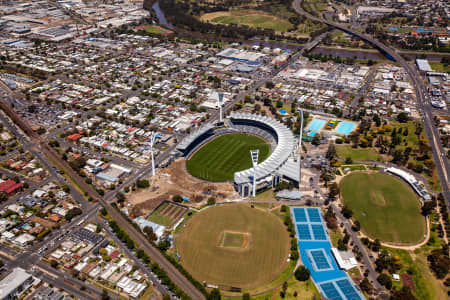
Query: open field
357	153
219	159
167	214
250	18
439	67
261	261
155	29
386	207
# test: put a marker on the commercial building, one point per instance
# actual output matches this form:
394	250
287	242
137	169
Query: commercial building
423	65
13	285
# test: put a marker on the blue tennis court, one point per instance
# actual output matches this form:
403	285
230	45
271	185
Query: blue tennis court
300	215
303	232
316	124
314	215
330	291
348	289
319	260
318	232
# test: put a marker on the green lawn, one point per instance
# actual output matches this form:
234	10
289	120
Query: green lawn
222	157
386	207
262	261
357	153
255	20
439	67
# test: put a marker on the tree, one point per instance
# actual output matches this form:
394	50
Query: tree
284	289
347	212
215	295
366	286
427	208
73	213
120	197
177	198
53	263
150	233
211	201
385	280
334	191
246	296
316	140
403	294
3	196
302	273
331	152
402	117
142	184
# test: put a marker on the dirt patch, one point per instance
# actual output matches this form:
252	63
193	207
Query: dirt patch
378	199
175	180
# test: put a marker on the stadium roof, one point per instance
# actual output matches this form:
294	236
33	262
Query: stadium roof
194	135
277	158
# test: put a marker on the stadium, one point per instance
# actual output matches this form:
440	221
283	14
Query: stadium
279	165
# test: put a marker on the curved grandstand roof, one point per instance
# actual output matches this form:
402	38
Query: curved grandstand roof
193	136
277	158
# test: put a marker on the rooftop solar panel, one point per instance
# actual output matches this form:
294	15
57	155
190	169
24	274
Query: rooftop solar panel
300	215
318	232
303	232
330	291
348	290
314	215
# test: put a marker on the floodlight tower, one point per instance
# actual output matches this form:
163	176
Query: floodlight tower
300	149
152	142
220	106
254	154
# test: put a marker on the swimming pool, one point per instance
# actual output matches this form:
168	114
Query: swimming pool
345	128
316	124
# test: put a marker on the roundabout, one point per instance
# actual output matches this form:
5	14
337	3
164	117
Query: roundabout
386	207
234	245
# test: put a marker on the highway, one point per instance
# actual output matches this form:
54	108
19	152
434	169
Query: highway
423	105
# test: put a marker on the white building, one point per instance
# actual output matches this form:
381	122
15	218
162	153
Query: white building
13	285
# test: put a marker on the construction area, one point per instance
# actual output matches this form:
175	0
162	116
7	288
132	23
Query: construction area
175	180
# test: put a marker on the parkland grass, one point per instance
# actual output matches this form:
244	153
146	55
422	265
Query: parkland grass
387	208
260	262
250	18
362	154
219	159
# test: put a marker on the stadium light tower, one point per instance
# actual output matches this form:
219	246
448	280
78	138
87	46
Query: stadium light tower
152	142
300	149
254	154
220	106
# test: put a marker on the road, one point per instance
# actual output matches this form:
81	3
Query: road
47	155
423	105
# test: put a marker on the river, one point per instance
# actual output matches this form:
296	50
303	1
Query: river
161	17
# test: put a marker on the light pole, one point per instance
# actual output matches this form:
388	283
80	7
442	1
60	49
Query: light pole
220	107
254	155
152	142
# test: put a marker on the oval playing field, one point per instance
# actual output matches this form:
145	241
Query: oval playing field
219	159
386	207
234	245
